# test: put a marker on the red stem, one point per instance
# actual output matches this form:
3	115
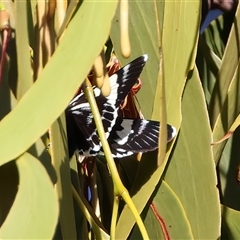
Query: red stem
6	34
161	222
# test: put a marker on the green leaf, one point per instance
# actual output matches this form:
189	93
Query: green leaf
179	43
60	162
180	33
231	223
208	64
228	172
166	217
227	72
224	105
152	225
179	27
143	38
191	172
34	213
226	117
56	85
213	37
25	72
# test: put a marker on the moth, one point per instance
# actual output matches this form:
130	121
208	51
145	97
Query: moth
125	136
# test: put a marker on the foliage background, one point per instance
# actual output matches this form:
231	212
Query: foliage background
194	194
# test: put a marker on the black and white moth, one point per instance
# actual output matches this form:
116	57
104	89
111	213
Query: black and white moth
125	136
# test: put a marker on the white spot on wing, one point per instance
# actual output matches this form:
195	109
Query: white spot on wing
127	130
145	57
174	133
114	88
80	106
97	92
123	140
143	125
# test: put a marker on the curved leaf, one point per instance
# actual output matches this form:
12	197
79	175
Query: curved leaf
228	172
166	217
180	33
231	223
143	39
227	71
56	85
191	172
34	213
229	112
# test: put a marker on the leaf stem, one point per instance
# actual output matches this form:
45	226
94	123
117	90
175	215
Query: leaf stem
118	186
98	229
114	215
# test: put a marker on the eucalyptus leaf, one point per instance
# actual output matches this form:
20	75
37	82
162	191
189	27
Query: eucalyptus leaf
230	62
228	172
231	223
191	172
25	73
59	80
34	213
166	216
178	27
